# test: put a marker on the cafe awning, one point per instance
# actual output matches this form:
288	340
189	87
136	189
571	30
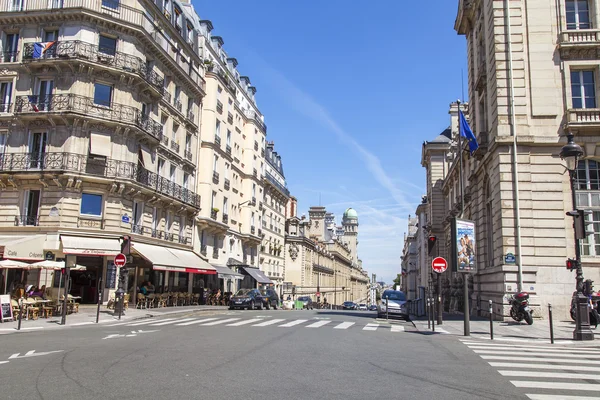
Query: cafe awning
258	275
226	272
29	247
174	260
90	246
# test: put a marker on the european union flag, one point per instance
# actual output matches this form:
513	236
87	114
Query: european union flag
467	133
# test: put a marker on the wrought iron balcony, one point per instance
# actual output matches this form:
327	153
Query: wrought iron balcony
226	184
230	118
262	152
164	140
252	230
255	145
191	116
228	149
260	205
219	107
27	220
60	103
178	105
203	250
215	177
215	253
166	95
188	155
175	146
213	214
9	56
253	201
225	218
76	49
255	173
5	107
104	167
256	118
276	184
217	140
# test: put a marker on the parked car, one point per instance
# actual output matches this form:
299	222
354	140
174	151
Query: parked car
349	305
373	307
246	298
270	298
393	302
307	302
362	307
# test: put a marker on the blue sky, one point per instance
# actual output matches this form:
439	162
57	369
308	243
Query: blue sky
350	90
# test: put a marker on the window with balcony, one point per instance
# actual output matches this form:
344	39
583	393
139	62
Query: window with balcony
253	190
3	136
38	142
583	89
215	163
218	130
91	204
31	207
45	90
11	47
182	229
174	133
228	139
172	173
587	184
186	180
5	96
137	216
102	94
155	220
578	14
107	45
225	206
168	221
190	32
160	167
50	35
213	200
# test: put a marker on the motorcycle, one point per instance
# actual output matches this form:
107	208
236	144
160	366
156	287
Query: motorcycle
519	309
593	300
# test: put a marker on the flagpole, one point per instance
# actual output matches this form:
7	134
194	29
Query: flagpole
460	169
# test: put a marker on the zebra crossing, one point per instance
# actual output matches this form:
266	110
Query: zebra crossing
544	372
260	322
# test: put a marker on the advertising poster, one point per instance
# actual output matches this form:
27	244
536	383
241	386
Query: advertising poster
465	245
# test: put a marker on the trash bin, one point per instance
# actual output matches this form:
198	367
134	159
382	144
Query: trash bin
299	305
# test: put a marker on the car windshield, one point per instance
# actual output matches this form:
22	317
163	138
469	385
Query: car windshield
265	293
394	295
347	303
363	305
303	298
243	292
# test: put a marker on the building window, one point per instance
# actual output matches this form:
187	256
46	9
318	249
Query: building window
583	89
578	14
225	206
160	167
50	35
182	227
31	207
168	222
186	180
155	219
215	162
107	45
5	96
138	212
172	173
11	47
213	201
587	184
218	129
102	94
228	138
91	204
3	137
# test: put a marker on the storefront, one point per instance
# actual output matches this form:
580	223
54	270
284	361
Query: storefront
254	278
228	279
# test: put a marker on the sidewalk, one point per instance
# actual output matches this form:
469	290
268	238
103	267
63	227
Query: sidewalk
87	316
453	324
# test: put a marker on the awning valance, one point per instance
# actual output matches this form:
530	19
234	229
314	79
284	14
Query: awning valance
175	260
226	273
258	275
90	246
23	247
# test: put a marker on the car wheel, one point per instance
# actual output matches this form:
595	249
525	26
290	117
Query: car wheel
251	307
275	306
260	306
268	306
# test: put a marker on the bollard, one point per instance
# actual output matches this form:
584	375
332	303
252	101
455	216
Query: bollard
99	299
433	314
491	311
428	315
550	320
20	313
121	298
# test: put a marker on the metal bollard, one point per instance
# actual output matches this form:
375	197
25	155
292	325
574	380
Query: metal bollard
491	311
551	325
20	313
99	299
428	315
433	314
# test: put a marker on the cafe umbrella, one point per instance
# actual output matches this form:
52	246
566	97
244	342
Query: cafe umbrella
56	266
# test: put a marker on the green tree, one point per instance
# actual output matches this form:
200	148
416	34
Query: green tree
397	280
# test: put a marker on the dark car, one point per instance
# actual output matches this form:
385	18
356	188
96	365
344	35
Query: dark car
393	303
349	305
306	302
246	298
270	298
373	307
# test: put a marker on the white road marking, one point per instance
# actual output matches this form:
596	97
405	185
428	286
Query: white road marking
221	321
538	354
82	323
344	325
559	397
528	349
3	362
198	321
32	353
293	323
540	374
544	366
270	322
248	321
152	321
557	385
397	328
119	323
441	330
317	324
172	322
546	360
371	327
528	346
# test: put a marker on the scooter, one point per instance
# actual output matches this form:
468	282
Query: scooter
519	309
594	299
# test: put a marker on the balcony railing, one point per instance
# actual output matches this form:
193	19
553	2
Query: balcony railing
215	253
584	116
219	107
157	234
215	177
253	201
228	149
256	118
255	145
55	103
217	140
9	56
203	250
5	107
188	155
230	118
226	184
191	116
178	105
278	185
213	214
252	230
175	146
164	140
580	36
108	168
76	49
225	218
27	220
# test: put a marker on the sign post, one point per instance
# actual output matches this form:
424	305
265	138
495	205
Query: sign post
120	261
464	245
439	266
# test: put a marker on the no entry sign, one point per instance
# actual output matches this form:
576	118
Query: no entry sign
439	264
120	260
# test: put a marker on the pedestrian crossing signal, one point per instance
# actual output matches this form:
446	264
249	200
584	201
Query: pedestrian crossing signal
431	243
572	264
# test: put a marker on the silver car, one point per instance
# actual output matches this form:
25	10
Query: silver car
393	303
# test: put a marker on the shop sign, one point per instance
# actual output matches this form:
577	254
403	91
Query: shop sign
111	275
49	256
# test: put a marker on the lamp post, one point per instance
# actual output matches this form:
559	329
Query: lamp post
571	153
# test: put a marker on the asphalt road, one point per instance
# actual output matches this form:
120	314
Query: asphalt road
225	355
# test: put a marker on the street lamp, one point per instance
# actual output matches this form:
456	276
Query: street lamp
571	153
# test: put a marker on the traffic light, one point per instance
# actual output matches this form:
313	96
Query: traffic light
572	264
126	245
583	225
431	244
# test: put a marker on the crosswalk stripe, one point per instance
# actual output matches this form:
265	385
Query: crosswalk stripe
149	322
558	397
397	328
344	325
221	321
545	360
527	346
270	322
293	323
526	349
197	321
539	354
540	374
317	324
247	321
556	385
544	366
120	323
172	322
371	327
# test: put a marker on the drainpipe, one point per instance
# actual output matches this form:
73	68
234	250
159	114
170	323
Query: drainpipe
513	131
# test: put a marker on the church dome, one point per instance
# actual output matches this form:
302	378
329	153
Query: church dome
350	214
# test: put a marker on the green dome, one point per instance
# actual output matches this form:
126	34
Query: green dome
351	214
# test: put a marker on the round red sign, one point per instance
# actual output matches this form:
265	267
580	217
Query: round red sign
439	264
120	260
